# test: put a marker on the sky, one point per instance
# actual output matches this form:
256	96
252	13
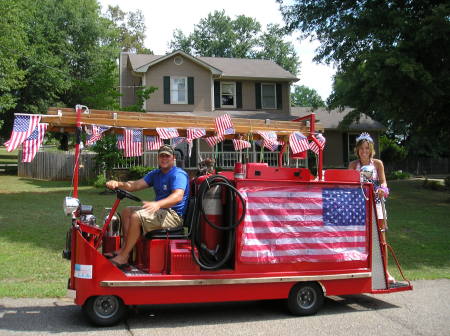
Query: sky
163	17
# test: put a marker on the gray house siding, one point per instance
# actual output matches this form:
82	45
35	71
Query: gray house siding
129	83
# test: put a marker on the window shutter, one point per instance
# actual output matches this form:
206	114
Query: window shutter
216	94
258	95
238	94
190	85
345	149
279	96
166	90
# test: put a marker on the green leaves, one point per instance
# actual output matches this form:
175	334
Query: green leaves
307	97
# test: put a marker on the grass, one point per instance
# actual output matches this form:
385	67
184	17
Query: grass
8	157
33	228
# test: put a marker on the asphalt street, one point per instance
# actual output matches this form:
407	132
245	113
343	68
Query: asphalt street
423	311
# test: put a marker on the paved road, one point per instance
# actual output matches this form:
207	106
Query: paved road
424	311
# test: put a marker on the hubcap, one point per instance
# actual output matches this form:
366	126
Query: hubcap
306	297
106	306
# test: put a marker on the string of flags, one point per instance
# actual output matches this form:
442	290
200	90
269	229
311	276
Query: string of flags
29	132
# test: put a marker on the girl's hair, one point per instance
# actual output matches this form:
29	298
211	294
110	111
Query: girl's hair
360	143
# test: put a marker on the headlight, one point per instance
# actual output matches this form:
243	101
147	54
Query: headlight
70	205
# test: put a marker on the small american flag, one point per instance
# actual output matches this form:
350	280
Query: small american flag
241	144
31	145
195	133
298	142
23	126
214	140
120	141
133	142
153	142
224	125
313	146
304	223
167	133
95	133
178	141
268	136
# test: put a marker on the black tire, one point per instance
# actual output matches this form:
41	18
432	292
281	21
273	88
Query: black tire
104	310
305	298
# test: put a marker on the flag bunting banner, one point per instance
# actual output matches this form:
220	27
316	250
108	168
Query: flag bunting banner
23	126
304	223
224	125
120	141
167	133
178	141
313	146
32	144
298	142
95	133
133	142
241	144
214	140
153	142
195	133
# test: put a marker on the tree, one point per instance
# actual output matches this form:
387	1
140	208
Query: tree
220	36
393	62
307	97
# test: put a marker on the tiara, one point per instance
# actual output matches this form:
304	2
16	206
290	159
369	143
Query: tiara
364	136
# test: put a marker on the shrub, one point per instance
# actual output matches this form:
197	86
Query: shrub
137	172
398	175
447	182
433	185
99	181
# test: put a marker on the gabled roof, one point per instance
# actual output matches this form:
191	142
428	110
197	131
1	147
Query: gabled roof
230	68
330	119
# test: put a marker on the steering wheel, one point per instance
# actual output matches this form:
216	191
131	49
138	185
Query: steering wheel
121	194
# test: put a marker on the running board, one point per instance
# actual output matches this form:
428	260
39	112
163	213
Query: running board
206	282
378	273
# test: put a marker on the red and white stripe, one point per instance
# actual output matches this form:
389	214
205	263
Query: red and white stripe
167	133
286	225
133	142
32	144
195	133
214	140
153	142
313	146
224	125
23	126
298	142
241	144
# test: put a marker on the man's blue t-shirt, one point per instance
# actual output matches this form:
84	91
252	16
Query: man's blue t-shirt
165	184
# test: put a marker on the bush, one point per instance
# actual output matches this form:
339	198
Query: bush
398	175
137	172
99	181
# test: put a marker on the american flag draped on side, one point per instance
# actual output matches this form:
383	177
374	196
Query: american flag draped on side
313	146
167	133
23	126
133	142
153	142
304	223
32	144
224	125
298	142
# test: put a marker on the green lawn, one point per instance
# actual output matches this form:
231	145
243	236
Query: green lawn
33	228
8	157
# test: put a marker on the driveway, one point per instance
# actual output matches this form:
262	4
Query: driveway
424	311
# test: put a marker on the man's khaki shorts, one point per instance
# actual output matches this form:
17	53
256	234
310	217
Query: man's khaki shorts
161	219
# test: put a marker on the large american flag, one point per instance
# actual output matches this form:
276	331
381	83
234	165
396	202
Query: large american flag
298	142
95	133
23	126
133	142
167	133
224	125
304	223
153	142
195	133
313	146
241	144
214	140
31	145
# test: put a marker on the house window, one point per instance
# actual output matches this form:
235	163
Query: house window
178	90
268	96
228	94
351	146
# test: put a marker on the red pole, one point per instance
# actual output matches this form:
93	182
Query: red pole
77	151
